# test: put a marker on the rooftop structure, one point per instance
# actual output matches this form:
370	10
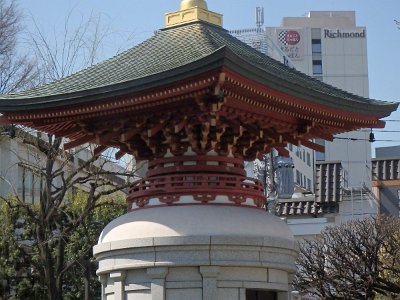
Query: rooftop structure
328	193
196	102
386	179
387	152
316	19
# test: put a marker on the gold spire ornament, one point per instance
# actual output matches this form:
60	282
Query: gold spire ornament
186	4
191	11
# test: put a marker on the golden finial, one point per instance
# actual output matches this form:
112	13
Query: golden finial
186	4
193	10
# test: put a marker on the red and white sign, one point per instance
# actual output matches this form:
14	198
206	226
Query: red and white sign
291	43
292	37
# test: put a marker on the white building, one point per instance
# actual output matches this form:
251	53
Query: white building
329	46
20	164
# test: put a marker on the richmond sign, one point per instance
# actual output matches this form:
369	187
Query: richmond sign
335	34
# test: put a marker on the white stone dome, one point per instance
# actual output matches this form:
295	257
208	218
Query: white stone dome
195	220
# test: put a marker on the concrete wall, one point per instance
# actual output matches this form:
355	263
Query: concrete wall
307	227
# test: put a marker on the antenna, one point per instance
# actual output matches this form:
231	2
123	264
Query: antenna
259	16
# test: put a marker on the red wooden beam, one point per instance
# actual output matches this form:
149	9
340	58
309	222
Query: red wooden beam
67	132
119	154
99	150
313	146
80	141
322	133
153	130
126	136
282	151
180	126
4	121
105	138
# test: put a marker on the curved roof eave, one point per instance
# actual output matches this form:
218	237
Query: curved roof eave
348	102
198	67
221	57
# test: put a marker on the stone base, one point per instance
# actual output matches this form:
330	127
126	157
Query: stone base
194	283
197	266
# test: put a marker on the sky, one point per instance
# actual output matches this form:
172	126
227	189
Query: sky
129	22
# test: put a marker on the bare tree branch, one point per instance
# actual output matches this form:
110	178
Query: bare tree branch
355	260
17	72
59	172
70	49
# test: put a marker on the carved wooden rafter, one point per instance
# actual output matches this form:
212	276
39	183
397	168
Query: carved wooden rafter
219	113
78	142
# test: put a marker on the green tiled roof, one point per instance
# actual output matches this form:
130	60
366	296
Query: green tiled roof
180	52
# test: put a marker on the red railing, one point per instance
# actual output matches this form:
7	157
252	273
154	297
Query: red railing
203	188
203	177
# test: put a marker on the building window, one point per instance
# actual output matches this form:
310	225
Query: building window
29	185
298	177
260	295
309	184
299	153
316	46
308	159
317	67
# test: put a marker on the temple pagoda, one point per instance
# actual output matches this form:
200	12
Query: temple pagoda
195	103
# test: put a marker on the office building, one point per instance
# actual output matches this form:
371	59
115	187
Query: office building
329	46
332	48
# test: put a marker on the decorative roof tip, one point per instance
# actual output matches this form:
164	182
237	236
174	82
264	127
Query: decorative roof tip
186	4
190	11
